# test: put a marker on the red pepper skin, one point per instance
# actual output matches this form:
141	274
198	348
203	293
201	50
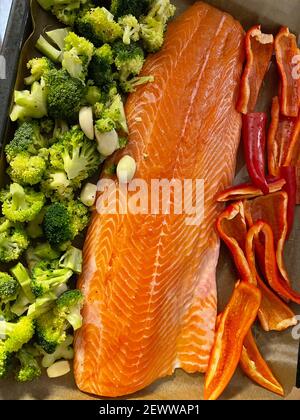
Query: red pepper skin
286	49
259	48
254	137
289	174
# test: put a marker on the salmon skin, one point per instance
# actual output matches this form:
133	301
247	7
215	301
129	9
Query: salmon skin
149	281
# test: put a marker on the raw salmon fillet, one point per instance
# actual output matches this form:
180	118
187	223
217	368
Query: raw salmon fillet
150	280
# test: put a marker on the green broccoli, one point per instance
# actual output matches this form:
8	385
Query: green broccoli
34	228
60	128
130	85
63	351
45	303
27	139
64	94
98	26
46	125
29	366
47	276
69	306
21	204
26	169
30	104
112	116
38	68
65	10
9	289
100	69
24	280
64	222
129	7
72	260
57	186
20	306
42	251
58	36
16	334
13	240
131	29
5	360
76	155
77	56
93	94
162	10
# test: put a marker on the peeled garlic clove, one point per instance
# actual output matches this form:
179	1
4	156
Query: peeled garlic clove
108	143
89	194
59	369
126	169
86	122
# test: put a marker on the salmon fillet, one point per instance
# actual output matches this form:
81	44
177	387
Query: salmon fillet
150	280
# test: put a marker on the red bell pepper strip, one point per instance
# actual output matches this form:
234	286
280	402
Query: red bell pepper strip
271	209
259	49
293	152
254	138
234	326
249	191
289	174
275	280
256	368
286	50
281	133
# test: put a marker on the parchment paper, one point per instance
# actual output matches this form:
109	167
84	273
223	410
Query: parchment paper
280	350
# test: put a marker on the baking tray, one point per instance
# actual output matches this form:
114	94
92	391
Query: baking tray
280	350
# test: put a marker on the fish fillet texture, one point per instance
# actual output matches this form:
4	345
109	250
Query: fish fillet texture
150	280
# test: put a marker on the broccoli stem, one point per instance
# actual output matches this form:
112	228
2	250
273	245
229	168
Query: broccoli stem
21	274
48	50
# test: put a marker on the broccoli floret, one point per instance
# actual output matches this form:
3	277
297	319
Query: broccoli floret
64	94
38	68
29	366
27	139
77	55
64	222
63	351
13	241
9	289
34	228
129	7
131	29
72	260
162	10
57	186
93	95
129	60
16	334
24	280
45	303
50	331
76	155
47	276
30	104
113	117
131	85
26	169
100	69
98	26
46	125
69	306
65	10
152	34
42	251
60	128
21	204
58	36
48	50
5	360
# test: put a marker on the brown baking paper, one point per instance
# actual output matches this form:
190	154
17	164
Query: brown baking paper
280	350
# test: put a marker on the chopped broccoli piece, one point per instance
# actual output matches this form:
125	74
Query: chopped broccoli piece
64	222
48	50
46	125
27	139
98	26
65	94
34	228
72	260
21	305
131	85
93	95
63	351
13	241
42	251
129	60
76	155
50	331
69	306
112	117
21	204
58	36
60	128
100	69
5	360
65	10
29	366
30	104
77	55
129	7
9	289
131	28
26	169
57	186
152	34
38	68
162	10
16	334
45	303
24	280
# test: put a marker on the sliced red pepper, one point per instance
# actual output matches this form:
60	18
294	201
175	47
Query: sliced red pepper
274	315
286	49
289	174
293	152
280	137
249	191
256	368
275	280
254	138
235	323
271	209
259	49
